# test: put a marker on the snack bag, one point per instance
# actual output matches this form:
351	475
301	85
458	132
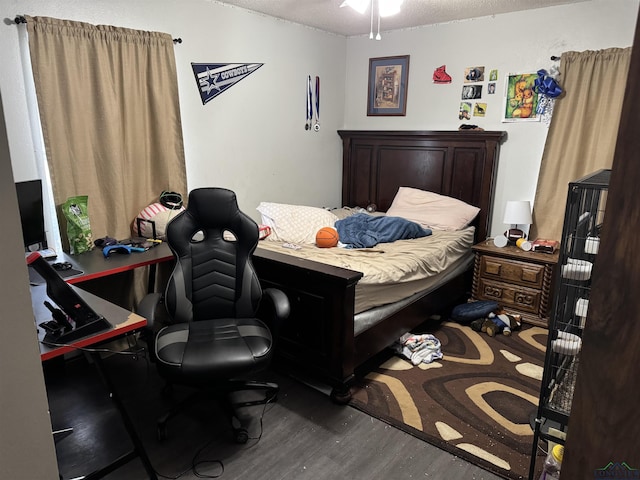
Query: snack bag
78	226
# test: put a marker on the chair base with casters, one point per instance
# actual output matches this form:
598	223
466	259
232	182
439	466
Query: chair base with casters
234	397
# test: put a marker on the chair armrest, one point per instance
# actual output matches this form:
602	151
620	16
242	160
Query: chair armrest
274	309
279	302
147	308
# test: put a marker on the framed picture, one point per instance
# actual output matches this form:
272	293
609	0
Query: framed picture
388	77
520	98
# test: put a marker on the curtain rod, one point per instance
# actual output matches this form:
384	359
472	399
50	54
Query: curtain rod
20	19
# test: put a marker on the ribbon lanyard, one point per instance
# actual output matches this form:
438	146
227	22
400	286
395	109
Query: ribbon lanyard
307	125
316	126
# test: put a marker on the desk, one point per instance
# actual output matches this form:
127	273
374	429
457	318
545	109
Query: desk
123	322
94	265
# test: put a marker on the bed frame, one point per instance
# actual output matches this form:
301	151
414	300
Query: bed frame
318	338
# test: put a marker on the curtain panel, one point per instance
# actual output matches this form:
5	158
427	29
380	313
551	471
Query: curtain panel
583	132
109	109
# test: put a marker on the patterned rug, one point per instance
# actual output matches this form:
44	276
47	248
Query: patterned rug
475	402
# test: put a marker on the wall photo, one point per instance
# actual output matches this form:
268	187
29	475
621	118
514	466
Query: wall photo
521	99
388	78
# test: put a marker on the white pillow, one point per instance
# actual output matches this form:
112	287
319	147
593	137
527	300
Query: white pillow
432	210
294	223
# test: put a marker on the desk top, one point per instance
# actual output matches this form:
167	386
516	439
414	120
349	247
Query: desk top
93	264
123	321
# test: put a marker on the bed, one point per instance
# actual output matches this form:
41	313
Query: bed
321	339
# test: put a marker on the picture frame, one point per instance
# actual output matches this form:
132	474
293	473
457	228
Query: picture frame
388	83
520	98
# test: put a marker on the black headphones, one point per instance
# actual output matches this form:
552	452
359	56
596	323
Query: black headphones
171	200
62	266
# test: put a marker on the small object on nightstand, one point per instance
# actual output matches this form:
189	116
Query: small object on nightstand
514	234
522	244
500	241
541	245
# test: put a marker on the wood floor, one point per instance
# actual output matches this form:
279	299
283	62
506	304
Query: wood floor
303	435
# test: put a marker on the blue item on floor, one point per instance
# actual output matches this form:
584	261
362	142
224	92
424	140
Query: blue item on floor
467	312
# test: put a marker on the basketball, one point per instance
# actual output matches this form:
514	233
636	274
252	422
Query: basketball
327	237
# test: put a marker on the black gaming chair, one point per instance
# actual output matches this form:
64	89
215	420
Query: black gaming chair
214	340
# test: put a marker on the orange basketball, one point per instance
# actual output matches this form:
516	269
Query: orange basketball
327	237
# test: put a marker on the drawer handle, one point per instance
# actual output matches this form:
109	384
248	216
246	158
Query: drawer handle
492	292
524	299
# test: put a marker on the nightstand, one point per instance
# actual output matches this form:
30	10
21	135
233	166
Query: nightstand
521	282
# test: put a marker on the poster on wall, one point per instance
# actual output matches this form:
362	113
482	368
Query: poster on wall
521	99
215	78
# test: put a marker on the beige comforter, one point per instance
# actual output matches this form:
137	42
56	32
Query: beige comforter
391	263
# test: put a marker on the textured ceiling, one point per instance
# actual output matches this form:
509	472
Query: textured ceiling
327	15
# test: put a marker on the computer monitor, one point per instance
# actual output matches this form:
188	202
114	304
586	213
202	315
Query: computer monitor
31	214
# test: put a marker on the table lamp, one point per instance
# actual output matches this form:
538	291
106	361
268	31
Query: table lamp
517	212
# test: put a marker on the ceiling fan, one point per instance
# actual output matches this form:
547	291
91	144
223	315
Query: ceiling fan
386	8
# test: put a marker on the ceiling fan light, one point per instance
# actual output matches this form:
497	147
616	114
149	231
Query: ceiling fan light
359	6
388	8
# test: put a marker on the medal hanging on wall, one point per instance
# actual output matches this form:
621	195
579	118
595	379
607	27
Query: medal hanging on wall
307	125
316	125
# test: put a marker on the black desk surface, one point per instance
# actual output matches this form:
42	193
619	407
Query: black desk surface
93	264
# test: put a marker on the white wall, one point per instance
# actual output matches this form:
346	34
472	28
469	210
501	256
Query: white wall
252	138
512	43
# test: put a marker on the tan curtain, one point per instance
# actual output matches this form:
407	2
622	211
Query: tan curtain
583	131
108	101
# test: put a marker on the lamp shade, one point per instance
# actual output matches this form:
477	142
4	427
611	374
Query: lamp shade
518	212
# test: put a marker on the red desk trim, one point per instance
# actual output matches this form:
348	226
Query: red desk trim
112	271
115	332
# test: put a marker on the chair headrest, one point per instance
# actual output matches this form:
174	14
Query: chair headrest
213	207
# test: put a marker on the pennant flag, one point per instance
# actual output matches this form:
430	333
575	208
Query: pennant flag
215	78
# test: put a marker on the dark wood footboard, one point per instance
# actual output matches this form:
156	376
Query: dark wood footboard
317	338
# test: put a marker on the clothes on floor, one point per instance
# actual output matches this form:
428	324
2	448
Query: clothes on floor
423	348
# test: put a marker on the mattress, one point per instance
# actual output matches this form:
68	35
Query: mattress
393	271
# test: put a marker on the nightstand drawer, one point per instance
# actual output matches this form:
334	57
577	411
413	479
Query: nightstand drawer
507	270
509	295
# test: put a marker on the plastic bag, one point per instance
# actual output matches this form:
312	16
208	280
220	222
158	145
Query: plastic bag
78	226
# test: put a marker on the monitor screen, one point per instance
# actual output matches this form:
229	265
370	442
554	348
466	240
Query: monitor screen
31	213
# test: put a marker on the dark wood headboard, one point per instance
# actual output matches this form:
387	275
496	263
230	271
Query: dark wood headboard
460	164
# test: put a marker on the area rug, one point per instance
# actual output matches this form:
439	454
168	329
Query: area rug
476	402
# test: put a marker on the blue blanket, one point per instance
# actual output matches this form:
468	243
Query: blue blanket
364	231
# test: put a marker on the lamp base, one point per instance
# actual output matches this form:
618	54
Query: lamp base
514	234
